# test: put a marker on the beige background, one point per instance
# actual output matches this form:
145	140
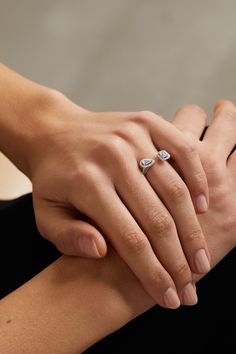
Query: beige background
121	54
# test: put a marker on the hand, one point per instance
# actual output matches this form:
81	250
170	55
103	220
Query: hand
72	282
87	162
218	155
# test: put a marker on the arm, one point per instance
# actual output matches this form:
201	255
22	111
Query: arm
20	102
75	302
81	161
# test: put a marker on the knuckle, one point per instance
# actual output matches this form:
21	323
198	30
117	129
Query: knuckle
83	172
161	222
188	148
199	179
177	191
128	131
86	176
194	108
111	146
182	271
131	133
144	117
210	164
111	151
223	103
195	235
157	277
134	242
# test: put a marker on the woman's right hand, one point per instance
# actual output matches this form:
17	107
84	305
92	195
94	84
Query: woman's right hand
218	155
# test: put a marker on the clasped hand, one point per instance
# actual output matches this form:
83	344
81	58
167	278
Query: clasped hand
86	163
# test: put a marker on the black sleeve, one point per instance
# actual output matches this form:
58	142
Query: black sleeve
23	251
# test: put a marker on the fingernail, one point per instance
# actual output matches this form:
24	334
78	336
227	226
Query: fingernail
201	261
88	247
171	299
189	295
201	203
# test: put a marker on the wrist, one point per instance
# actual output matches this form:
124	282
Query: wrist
130	295
113	295
20	104
116	288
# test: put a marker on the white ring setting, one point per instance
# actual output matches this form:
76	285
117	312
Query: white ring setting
163	155
145	164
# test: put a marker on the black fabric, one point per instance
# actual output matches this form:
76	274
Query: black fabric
23	252
207	327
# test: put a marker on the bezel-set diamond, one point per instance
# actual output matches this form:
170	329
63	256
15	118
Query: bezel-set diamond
163	155
146	164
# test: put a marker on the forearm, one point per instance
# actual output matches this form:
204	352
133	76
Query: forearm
21	103
70	305
28	111
75	302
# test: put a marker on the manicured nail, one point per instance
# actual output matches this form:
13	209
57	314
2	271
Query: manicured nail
189	295
171	299
201	203
201	261
88	247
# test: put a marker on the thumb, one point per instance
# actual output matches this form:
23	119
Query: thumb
72	236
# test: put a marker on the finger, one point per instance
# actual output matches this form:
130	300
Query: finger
190	119
133	246
166	136
175	196
220	137
159	227
71	236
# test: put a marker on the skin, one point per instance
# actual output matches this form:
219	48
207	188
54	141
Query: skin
82	162
62	316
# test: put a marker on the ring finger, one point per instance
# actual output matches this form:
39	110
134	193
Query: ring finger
159	226
173	192
185	154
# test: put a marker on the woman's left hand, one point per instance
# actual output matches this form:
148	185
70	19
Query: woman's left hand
86	163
